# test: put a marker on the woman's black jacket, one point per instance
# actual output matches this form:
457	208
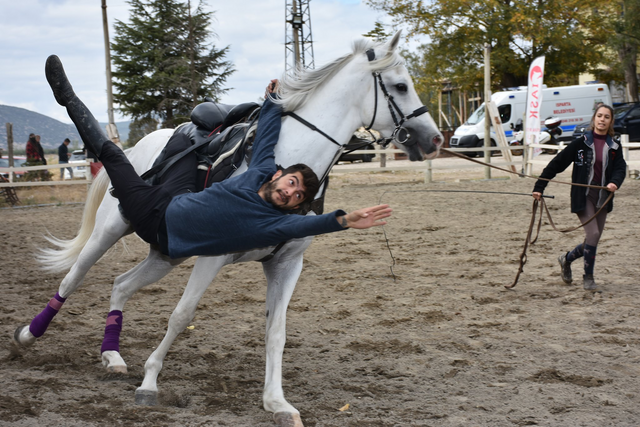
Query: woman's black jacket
581	153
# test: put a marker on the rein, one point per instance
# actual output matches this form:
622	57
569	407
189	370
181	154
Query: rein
542	205
311	126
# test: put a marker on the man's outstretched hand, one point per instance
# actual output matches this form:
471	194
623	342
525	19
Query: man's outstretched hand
365	218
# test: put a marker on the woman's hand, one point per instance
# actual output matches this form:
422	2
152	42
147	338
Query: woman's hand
365	218
536	195
612	187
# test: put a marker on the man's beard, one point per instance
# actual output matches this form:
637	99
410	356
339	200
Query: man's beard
271	192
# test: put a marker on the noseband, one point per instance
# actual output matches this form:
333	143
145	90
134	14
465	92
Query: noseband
400	134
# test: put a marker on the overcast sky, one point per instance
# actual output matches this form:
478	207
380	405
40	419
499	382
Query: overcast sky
30	30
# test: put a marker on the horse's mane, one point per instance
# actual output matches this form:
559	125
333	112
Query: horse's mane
296	89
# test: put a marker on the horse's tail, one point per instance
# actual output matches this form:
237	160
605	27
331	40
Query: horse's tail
66	253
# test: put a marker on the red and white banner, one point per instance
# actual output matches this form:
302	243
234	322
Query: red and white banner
534	103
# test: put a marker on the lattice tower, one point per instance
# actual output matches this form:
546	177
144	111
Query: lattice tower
298	41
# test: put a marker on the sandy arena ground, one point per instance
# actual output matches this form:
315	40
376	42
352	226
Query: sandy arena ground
419	332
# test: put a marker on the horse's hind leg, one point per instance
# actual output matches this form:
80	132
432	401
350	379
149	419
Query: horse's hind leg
149	271
101	239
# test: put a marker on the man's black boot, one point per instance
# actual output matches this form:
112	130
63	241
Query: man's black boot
88	127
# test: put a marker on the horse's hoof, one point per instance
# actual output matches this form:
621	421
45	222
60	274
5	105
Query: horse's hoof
113	362
146	397
22	337
117	369
287	419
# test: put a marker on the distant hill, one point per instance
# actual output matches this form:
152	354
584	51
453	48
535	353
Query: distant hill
51	131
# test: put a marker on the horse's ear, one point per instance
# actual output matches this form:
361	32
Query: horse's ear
393	43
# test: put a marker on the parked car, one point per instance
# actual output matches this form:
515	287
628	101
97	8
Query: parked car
17	161
626	121
77	156
357	144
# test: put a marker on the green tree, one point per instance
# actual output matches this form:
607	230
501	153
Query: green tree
567	32
378	33
139	128
164	61
622	56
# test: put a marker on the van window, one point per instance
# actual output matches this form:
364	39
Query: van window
476	117
505	113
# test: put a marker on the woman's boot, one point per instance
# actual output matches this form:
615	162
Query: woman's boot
589	283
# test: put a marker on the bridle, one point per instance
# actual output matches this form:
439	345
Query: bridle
400	134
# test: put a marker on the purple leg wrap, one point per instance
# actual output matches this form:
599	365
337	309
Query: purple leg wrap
111	341
40	323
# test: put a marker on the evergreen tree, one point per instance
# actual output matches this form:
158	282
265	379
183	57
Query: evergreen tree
164	62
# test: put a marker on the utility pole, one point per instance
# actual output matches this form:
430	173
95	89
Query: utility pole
112	130
298	41
487	117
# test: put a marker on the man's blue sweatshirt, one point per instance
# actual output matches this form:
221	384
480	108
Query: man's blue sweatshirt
230	216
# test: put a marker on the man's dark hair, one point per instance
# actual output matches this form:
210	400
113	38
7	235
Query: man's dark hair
67	140
309	179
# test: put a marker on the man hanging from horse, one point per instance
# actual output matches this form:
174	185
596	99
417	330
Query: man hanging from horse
242	213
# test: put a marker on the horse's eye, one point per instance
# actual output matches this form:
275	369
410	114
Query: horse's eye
402	87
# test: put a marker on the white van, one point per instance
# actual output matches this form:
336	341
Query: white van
572	104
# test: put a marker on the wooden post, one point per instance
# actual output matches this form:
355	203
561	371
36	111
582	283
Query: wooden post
501	139
487	99
428	173
440	109
624	141
112	130
10	148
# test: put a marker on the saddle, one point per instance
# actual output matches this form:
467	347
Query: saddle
219	134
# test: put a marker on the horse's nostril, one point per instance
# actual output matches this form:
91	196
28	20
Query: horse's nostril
437	140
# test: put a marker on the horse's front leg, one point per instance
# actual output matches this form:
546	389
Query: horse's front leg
204	271
282	275
153	268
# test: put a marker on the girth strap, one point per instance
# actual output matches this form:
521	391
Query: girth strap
162	167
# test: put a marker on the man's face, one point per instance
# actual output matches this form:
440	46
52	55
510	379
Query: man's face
285	191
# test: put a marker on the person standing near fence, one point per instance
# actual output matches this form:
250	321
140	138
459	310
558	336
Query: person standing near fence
63	158
35	157
35	153
597	160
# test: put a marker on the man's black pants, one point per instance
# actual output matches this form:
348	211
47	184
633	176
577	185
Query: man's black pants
143	204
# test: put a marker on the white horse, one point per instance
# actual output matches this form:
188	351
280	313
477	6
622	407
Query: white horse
338	99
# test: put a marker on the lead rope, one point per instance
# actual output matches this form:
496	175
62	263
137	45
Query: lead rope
528	241
542	205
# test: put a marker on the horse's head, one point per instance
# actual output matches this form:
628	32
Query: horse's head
369	87
394	108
